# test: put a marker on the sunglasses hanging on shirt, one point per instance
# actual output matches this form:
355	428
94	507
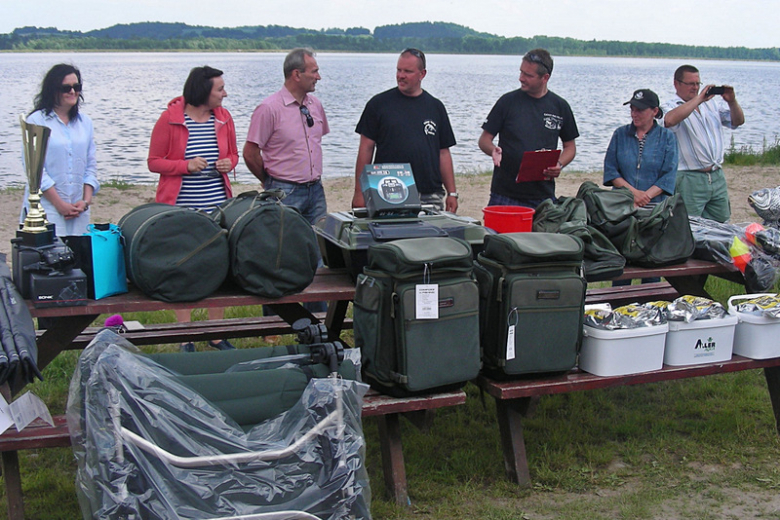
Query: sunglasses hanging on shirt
309	119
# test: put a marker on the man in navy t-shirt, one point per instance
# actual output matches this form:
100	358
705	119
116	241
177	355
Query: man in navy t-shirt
408	125
528	119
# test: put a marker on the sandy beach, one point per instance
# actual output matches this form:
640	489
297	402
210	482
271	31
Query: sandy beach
111	203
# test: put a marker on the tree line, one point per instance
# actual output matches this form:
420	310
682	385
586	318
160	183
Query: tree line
430	36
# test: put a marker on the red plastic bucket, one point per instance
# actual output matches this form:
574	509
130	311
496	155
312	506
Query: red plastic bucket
509	219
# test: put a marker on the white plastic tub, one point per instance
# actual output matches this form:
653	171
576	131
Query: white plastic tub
755	337
701	341
623	351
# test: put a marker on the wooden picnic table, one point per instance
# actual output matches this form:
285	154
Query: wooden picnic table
332	285
516	399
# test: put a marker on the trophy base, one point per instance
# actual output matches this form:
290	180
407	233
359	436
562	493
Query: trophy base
39	239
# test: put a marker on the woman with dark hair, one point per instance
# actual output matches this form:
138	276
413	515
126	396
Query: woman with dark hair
69	177
642	156
193	144
193	148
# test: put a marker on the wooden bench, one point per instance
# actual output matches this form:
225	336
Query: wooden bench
625	294
516	399
387	410
205	330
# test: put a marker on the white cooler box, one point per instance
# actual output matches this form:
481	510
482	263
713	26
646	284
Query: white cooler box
623	351
701	341
755	337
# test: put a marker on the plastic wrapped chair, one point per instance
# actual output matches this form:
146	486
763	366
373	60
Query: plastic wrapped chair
153	443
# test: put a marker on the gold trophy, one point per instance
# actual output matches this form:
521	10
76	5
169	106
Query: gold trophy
36	230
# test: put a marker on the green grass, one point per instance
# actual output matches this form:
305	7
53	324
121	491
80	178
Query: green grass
117	183
747	156
690	448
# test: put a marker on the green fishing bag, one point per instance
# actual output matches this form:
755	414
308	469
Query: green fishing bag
273	248
532	297
174	253
569	216
416	316
655	235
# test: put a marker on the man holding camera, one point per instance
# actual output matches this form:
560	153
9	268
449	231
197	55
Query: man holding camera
696	116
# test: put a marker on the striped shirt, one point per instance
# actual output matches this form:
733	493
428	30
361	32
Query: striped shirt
700	136
206	188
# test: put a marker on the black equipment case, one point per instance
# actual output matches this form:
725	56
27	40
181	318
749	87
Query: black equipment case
345	236
532	297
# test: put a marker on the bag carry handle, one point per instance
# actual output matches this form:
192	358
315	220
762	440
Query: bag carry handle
737	297
103	231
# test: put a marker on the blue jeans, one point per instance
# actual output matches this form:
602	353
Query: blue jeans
503	200
309	199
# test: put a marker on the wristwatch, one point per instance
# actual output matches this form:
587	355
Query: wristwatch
453	194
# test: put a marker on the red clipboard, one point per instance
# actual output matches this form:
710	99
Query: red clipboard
534	163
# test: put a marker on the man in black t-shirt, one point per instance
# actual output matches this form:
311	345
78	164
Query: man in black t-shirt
528	119
407	125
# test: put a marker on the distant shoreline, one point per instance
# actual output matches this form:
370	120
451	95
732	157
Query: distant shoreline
338	51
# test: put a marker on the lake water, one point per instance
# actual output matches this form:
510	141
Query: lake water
126	92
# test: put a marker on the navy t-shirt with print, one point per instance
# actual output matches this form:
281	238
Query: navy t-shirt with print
409	130
524	123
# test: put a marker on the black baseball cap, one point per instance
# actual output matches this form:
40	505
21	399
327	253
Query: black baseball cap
645	98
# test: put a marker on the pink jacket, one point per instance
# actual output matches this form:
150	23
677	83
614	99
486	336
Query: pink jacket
169	142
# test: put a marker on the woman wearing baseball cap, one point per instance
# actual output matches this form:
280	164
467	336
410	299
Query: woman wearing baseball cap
642	156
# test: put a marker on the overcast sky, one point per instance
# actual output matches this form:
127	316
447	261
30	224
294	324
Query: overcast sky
748	23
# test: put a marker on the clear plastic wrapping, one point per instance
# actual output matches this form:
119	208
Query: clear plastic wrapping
750	248
149	447
766	204
630	316
767	305
689	308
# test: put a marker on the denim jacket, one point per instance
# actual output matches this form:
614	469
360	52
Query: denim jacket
657	166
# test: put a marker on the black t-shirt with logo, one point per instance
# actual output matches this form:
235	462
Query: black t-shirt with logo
409	130
524	123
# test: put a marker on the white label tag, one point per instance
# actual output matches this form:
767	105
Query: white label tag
426	301
28	408
510	343
5	415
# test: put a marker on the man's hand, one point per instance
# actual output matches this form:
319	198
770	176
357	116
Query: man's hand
451	204
702	97
553	171
357	200
496	155
729	95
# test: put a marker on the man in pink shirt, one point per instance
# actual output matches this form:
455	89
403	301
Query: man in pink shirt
284	144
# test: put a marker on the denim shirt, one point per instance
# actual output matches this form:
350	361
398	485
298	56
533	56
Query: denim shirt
656	167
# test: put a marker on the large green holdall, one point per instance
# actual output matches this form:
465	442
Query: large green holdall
273	248
569	216
174	253
416	316
651	236
532	296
